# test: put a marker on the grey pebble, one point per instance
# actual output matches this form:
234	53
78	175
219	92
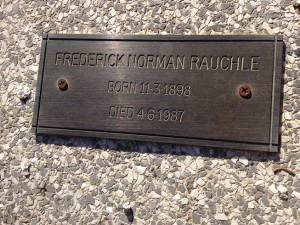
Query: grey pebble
181	188
202	11
153	204
50	188
212	206
179	222
258	219
110	184
154	2
196	218
34	221
296	83
94	179
202	174
89	199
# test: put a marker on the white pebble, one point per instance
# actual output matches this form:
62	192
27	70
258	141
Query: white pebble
273	189
235	159
126	205
282	189
244	160
221	216
109	209
287	116
276	30
236	26
23	92
184	201
33	68
259	182
140	169
296	194
154	195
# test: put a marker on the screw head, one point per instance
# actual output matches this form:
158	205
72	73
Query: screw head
245	91
62	84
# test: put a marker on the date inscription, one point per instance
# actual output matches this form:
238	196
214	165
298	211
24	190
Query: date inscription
144	88
151	114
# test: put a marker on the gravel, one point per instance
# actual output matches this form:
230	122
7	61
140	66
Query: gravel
68	180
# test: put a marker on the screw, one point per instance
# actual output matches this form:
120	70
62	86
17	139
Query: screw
245	91
62	84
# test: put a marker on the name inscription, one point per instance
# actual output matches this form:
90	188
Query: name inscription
148	61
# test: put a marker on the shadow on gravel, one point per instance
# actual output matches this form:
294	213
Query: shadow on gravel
115	146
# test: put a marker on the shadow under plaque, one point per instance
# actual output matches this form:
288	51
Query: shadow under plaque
218	91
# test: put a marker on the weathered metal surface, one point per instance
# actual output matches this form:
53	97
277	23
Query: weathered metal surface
221	91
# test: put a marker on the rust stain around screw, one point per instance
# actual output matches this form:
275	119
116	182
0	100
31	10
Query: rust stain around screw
62	84
245	91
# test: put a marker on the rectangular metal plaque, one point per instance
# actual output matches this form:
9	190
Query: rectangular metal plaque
220	91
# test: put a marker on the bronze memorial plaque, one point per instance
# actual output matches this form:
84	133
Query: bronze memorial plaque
220	91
